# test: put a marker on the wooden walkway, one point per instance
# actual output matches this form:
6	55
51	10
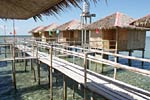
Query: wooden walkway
108	87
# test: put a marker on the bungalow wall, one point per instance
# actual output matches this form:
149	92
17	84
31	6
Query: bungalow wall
136	39
104	39
36	36
70	36
95	39
127	39
46	37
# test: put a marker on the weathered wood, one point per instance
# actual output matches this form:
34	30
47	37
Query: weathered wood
64	87
25	67
51	74
32	69
14	68
48	76
129	60
38	69
73	90
110	54
110	88
85	75
116	52
5	52
85	69
143	51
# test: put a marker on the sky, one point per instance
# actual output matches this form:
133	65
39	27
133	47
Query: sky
132	8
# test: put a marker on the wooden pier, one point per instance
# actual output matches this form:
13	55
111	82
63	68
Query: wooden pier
110	88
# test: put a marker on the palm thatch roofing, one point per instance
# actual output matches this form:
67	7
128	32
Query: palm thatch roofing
24	9
142	22
113	21
36	29
71	25
50	27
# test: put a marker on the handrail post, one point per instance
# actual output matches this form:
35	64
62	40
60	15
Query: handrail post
85	74
13	67
51	77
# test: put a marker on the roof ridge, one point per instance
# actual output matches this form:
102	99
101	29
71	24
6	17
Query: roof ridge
117	19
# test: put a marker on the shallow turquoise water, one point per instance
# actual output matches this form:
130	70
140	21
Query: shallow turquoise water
30	90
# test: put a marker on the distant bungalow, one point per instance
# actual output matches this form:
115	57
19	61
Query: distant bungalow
70	32
36	32
142	22
114	32
48	33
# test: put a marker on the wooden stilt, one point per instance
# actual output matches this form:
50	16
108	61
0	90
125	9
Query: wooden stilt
48	75
129	60
5	51
14	69
115	67
116	52
73	91
64	88
51	77
88	64
33	70
143	51
39	63
0	50
85	75
25	62
18	56
96	67
103	65
57	75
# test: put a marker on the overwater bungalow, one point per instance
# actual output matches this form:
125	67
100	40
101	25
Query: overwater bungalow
114	32
48	34
69	32
36	32
142	22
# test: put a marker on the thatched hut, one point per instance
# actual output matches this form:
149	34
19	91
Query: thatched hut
22	9
48	34
142	22
36	32
114	32
70	32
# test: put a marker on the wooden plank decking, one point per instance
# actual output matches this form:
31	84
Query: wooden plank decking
108	87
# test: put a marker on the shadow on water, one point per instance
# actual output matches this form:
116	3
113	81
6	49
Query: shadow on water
112	71
3	63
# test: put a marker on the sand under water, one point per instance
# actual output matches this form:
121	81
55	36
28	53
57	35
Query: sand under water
28	89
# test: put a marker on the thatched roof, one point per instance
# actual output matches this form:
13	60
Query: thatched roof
113	21
142	22
36	29
71	25
50	27
24	9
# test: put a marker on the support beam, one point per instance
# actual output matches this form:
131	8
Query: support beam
116	52
129	60
48	76
143	51
14	69
33	70
5	51
64	87
0	50
85	74
38	69
115	67
25	66
51	74
73	91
